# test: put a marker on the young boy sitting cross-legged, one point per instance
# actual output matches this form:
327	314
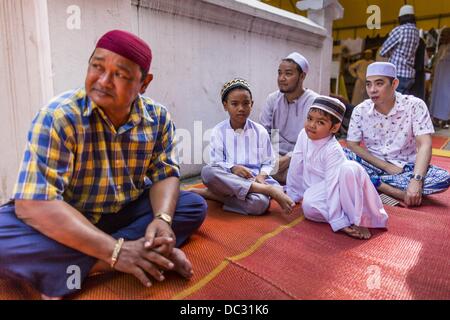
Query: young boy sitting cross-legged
241	159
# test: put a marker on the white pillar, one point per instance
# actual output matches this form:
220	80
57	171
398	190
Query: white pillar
25	67
324	12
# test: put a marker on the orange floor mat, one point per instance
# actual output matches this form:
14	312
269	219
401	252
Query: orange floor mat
279	256
439	142
309	261
222	235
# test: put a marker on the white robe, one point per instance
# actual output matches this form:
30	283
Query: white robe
333	189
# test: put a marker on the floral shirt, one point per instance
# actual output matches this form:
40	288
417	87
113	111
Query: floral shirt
391	137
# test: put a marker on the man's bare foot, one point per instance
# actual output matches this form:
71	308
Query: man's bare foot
44	297
357	232
182	265
206	193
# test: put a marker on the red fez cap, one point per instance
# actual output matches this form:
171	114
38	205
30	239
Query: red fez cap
128	46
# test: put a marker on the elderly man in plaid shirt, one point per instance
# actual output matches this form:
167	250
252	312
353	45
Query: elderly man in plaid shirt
98	189
401	46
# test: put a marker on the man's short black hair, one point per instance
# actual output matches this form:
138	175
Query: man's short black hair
407	18
296	64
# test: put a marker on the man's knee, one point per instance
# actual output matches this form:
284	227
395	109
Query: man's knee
200	203
195	207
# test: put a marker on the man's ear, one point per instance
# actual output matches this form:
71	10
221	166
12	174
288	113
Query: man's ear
303	76
395	83
146	82
335	128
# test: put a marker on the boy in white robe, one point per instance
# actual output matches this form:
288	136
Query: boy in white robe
334	190
241	159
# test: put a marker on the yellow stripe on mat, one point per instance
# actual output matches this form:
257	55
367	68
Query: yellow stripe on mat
208	278
441	153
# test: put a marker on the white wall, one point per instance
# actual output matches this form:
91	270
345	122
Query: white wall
25	80
197	46
71	48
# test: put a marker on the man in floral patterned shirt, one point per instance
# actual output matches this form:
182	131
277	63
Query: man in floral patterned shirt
395	130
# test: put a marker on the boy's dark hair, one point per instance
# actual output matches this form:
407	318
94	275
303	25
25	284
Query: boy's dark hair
329	116
300	70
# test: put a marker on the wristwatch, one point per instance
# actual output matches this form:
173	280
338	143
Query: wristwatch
165	217
418	177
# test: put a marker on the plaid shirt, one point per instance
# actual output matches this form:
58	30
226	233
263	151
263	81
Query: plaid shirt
400	47
75	154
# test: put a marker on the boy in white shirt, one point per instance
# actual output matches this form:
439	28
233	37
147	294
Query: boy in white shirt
334	190
241	159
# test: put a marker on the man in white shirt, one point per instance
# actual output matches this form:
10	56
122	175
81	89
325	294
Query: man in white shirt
285	110
396	132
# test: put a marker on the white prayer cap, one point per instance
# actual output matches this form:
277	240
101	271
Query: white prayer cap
385	69
300	60
406	9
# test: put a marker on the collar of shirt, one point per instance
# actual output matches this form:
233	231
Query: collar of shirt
239	131
315	144
295	100
398	106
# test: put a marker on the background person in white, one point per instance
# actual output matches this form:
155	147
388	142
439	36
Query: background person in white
285	110
396	131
